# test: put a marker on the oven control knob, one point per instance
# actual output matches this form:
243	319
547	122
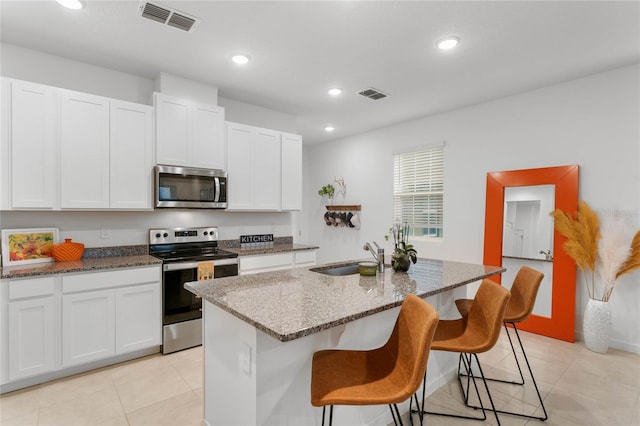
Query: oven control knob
165	235
158	235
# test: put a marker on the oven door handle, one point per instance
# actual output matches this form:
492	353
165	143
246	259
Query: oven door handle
180	266
194	265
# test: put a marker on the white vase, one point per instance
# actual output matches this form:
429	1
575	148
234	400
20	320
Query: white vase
597	326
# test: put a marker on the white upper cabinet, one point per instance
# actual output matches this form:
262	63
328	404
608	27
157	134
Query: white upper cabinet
291	182
189	134
131	155
265	169
84	150
208	145
172	131
29	151
239	164
62	149
253	166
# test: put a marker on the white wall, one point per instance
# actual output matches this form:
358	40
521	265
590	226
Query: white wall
591	121
253	115
38	67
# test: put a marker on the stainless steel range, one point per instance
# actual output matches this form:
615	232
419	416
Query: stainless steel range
183	251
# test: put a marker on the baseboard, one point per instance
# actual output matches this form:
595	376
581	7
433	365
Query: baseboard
614	343
65	372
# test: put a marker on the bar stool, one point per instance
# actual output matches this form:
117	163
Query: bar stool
523	298
388	375
476	333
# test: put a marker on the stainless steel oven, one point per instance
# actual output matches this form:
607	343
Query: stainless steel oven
183	250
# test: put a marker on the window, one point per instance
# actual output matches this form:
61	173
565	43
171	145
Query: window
418	190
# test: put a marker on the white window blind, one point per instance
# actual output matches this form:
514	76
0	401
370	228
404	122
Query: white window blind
418	190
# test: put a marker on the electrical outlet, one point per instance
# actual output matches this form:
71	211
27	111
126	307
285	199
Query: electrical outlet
105	232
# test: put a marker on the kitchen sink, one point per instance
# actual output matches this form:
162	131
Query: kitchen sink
337	270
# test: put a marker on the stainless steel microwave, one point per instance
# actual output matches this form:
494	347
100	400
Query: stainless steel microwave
190	188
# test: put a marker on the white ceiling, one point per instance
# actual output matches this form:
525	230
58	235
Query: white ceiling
302	48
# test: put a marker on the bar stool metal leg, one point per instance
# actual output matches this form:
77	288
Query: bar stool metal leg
533	379
467	364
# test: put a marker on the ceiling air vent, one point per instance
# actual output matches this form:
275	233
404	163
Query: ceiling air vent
168	16
372	93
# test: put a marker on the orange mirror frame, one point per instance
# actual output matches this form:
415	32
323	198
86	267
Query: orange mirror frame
561	325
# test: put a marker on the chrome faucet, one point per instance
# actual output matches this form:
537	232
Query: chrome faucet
378	255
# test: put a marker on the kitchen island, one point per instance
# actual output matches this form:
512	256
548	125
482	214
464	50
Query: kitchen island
262	330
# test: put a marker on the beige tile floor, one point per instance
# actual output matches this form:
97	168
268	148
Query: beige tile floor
579	387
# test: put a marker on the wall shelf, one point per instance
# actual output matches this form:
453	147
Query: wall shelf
344	208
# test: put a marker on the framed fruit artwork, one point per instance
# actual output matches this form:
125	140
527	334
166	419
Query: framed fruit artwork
26	246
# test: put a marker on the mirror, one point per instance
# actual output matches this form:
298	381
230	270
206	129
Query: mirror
519	231
527	237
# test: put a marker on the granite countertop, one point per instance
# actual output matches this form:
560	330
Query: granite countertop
294	303
270	249
82	265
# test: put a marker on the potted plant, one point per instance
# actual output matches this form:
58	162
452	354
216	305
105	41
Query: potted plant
403	252
327	191
607	250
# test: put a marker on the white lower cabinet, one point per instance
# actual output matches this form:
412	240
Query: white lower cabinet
53	323
137	317
88	327
304	258
276	262
31	337
28	313
107	321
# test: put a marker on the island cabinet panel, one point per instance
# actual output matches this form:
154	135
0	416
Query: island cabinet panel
84	150
29	146
88	324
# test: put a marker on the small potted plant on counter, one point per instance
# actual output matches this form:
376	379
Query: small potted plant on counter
403	253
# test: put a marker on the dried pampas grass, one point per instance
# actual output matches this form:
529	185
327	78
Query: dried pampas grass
613	251
582	235
633	261
610	252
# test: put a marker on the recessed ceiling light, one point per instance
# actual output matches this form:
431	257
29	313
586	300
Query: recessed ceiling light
448	42
70	4
329	129
335	91
240	59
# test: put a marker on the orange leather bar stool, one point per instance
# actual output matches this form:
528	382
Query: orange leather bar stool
387	375
469	336
523	298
